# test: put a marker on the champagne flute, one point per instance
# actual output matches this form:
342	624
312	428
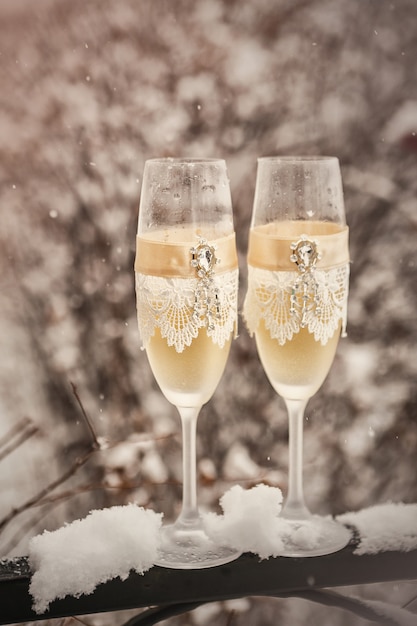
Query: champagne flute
296	303
186	274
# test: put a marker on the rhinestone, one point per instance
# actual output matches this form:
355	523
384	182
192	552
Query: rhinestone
205	258
305	254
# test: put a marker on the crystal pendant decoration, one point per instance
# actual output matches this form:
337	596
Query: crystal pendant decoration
305	288
207	295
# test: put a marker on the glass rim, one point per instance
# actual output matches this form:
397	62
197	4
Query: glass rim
297	158
185	160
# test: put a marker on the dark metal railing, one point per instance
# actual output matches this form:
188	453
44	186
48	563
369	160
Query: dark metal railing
172	592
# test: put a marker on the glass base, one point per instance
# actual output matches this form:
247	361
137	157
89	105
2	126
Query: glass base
314	536
191	549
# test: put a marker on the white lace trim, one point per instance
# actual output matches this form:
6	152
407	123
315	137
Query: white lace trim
288	301
179	307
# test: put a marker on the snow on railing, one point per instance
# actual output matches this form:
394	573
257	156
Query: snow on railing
97	564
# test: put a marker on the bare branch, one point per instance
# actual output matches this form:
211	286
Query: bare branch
80	621
410	602
16	436
91	429
367	609
33	501
24	529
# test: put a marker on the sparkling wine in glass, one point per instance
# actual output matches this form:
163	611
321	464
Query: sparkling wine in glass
186	274
295	306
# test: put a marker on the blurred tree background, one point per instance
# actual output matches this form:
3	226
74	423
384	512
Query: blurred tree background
89	91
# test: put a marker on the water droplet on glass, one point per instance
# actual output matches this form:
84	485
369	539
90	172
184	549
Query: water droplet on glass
211	188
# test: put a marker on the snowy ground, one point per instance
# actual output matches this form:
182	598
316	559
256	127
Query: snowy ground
91	90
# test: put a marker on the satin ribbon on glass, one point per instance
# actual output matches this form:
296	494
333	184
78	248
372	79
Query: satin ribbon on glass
269	251
174	258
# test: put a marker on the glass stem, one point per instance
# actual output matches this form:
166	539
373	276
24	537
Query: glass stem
189	516
294	507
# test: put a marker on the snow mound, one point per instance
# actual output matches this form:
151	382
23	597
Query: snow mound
384	527
108	543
